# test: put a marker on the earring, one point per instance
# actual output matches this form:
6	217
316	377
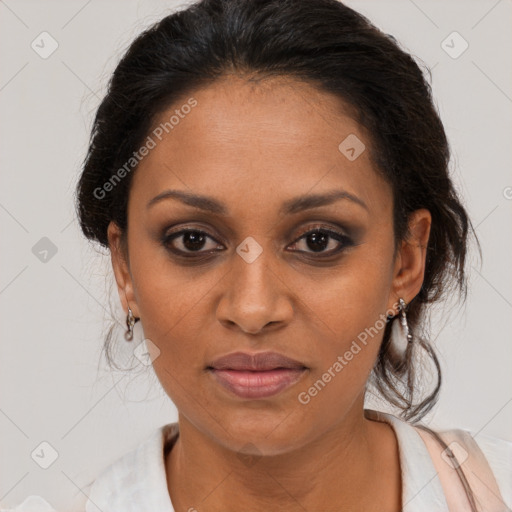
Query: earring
401	335
130	322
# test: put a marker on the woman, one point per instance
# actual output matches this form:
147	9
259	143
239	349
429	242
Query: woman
271	179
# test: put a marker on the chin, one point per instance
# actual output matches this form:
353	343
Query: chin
259	432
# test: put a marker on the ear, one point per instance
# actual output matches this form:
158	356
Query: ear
121	269
410	261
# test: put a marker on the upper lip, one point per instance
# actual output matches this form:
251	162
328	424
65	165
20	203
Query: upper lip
260	361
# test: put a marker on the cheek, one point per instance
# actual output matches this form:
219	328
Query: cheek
353	296
175	319
347	345
349	310
168	295
170	301
176	316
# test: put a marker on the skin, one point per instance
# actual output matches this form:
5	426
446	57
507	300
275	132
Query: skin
252	146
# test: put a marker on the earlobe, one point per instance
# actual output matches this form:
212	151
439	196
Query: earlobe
120	267
411	260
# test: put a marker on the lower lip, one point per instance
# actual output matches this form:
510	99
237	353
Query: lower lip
251	384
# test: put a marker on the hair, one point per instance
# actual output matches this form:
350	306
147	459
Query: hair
328	45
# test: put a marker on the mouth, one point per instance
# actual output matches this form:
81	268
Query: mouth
257	375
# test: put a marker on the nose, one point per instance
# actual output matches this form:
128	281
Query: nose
256	296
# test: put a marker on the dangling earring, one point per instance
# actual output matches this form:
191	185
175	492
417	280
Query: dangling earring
401	335
130	322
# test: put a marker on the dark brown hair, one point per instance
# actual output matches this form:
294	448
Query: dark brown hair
334	48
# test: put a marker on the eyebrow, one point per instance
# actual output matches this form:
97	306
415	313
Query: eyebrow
291	206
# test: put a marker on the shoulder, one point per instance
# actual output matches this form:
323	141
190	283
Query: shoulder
136	480
485	461
498	453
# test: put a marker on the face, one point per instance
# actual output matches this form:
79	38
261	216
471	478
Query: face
262	271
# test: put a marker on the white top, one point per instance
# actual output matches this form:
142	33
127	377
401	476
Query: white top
137	481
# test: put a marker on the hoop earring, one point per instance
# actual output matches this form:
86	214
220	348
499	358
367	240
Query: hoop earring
130	322
401	337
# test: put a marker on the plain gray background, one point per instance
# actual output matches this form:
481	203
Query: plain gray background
55	305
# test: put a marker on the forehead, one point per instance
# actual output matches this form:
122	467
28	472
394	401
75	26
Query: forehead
247	142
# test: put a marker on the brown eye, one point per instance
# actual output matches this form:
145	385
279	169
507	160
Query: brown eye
320	239
188	241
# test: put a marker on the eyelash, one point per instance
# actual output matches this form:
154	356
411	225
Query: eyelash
344	240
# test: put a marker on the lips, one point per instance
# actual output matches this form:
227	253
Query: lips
257	375
261	361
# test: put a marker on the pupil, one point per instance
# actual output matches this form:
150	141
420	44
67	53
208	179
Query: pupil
319	241
193	240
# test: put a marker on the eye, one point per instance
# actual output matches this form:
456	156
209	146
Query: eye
319	239
188	241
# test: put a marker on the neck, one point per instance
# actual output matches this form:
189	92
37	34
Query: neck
353	463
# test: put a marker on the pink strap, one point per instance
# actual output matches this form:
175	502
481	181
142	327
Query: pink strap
473	463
